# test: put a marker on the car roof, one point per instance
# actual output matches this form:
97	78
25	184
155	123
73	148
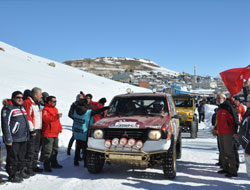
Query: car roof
143	94
182	96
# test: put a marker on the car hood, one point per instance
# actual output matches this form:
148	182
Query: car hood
132	122
182	110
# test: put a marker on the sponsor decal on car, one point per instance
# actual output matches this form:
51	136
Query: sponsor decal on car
153	127
125	124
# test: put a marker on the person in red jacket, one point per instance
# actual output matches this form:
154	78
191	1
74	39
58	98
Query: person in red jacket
240	108
51	127
226	128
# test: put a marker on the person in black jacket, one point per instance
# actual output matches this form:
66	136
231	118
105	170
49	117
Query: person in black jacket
15	127
244	132
70	114
201	110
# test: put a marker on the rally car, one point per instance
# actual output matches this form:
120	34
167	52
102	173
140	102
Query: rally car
185	105
140	129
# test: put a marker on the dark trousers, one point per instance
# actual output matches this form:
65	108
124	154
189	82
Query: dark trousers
33	149
227	152
236	146
201	117
71	141
49	149
218	144
15	160
80	145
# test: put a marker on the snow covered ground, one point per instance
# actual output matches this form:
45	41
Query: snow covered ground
195	170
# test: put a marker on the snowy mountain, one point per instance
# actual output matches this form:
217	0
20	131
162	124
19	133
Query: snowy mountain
114	65
20	70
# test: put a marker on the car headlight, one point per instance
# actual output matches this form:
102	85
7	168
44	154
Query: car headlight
184	116
98	134
154	135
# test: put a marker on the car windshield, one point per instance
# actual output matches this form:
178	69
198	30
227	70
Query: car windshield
126	106
183	102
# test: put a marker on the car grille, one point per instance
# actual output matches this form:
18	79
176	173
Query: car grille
137	134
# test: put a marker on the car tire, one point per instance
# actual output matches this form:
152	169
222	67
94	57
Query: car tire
196	122
169	162
179	146
193	130
95	162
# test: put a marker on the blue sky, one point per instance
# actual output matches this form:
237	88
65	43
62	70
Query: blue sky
176	34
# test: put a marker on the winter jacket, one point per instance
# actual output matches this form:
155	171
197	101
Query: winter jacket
51	123
240	111
81	125
34	114
83	119
244	132
72	109
201	108
213	120
14	123
225	122
96	106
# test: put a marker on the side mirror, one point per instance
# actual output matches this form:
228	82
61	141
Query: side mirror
176	116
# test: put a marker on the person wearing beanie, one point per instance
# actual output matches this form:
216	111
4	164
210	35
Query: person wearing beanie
26	94
44	99
102	101
80	129
15	127
70	115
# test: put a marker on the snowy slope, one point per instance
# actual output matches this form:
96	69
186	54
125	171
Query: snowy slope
195	170
20	70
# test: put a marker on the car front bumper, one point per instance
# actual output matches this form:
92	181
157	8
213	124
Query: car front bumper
148	148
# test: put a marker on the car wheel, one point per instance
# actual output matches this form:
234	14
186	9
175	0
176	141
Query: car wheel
179	146
95	162
193	130
169	162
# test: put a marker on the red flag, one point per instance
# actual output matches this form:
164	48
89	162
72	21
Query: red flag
233	79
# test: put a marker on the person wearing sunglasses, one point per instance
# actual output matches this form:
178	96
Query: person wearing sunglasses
15	128
50	130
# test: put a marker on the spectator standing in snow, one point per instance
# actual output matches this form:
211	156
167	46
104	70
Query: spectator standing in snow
244	132
31	105
50	130
215	133
71	115
44	100
227	126
82	120
201	110
15	129
240	110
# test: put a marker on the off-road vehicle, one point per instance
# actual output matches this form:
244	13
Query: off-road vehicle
139	129
185	105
